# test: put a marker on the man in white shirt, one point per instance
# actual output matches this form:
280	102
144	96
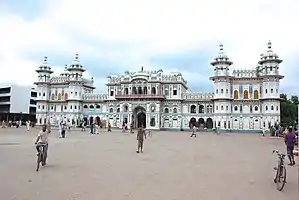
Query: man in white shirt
42	139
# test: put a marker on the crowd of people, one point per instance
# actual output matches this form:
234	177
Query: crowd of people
17	124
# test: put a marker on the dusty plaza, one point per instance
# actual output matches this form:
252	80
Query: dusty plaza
173	166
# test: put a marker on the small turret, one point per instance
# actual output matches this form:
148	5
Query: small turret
269	62
221	63
76	69
44	72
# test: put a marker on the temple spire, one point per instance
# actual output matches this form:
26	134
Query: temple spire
269	45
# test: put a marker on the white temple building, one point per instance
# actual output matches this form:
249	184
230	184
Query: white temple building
246	100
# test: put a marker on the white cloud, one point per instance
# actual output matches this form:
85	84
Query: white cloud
244	27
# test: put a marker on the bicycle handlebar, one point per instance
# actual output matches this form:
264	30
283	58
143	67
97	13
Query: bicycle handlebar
278	153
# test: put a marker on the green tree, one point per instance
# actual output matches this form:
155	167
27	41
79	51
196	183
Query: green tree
289	110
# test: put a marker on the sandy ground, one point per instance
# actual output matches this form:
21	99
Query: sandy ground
172	167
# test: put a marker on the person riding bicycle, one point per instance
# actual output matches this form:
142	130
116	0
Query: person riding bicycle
42	139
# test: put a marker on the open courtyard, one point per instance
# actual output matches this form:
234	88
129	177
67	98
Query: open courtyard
172	167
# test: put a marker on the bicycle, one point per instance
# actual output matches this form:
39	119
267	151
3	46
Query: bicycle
41	156
281	173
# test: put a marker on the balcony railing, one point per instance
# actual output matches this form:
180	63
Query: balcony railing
140	96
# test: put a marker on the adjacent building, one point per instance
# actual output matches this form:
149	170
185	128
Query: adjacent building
241	100
17	103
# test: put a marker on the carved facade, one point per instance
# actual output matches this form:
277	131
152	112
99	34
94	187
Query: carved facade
241	100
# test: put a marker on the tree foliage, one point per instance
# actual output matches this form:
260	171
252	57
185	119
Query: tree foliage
289	110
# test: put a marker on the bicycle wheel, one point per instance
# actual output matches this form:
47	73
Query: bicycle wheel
39	159
281	178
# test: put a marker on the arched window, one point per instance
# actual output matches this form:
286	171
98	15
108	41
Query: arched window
59	97
166	110
236	94
201	109
118	110
98	106
153	90
111	110
134	90
153	122
85	106
175	110
256	94
236	108
125	108
193	109
272	107
209	109
245	96
66	96
53	96
91	107
139	90
256	108
266	107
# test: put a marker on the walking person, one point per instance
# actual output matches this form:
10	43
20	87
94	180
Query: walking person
290	140
28	125
193	131
140	138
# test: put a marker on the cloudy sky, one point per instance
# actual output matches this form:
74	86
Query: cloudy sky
114	36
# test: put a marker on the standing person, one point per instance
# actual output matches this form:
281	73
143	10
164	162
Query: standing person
60	129
109	127
63	129
91	126
42	138
140	138
124	127
97	128
131	128
83	125
193	131
3	124
290	140
276	132
28	125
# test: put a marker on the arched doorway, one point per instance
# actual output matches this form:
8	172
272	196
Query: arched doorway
141	120
209	123
192	122
201	123
139	117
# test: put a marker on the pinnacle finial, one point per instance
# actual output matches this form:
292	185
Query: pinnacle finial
269	45
221	47
45	59
77	56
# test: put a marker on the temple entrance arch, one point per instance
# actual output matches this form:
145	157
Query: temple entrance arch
139	117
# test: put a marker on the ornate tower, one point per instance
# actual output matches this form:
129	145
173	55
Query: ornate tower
76	70
43	91
222	89
269	88
221	78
